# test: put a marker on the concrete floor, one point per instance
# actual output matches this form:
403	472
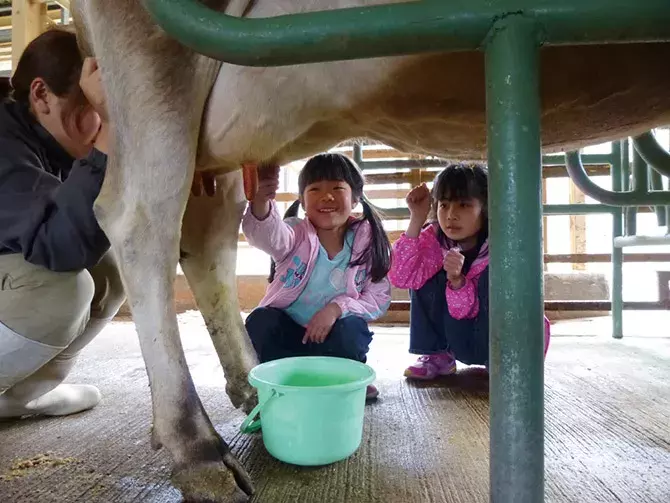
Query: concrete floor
607	428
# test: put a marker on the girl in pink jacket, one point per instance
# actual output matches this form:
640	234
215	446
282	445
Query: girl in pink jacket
445	266
329	270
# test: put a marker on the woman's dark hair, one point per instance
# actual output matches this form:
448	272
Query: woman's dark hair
461	181
53	56
338	167
5	88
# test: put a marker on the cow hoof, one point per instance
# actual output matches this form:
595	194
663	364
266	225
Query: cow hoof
214	482
242	395
250	403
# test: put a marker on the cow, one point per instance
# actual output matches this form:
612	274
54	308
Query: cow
176	113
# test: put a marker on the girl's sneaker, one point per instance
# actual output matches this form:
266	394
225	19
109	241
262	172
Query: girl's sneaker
371	393
431	366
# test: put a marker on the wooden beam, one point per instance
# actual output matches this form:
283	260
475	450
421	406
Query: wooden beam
29	19
52	14
582	258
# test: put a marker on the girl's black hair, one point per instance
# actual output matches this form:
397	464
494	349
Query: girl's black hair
462	181
338	167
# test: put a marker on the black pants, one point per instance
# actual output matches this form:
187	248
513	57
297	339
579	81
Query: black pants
433	330
275	335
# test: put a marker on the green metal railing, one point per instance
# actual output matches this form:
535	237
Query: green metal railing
616	159
655	155
401	28
510	32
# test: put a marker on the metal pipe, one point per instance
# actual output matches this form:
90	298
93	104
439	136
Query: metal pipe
401	28
406	163
640	182
358	155
655	155
625	175
516	337
573	305
579	176
603	305
626	241
559	160
577	209
640	174
547	209
616	294
656	183
625	165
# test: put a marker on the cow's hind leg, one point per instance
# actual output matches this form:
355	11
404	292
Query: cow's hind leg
209	249
156	92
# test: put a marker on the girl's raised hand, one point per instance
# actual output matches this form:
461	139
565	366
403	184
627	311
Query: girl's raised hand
418	202
268	185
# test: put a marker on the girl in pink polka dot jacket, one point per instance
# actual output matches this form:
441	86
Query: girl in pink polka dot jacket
444	264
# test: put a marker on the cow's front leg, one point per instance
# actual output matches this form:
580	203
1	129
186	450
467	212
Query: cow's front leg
156	92
140	208
209	253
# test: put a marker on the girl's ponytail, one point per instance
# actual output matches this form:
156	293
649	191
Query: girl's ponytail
292	211
379	252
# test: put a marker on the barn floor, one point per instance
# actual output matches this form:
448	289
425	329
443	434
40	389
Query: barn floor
607	428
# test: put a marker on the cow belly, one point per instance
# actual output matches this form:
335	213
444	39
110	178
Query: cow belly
428	104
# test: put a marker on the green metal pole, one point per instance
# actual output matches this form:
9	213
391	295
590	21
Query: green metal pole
637	197
617	229
625	177
400	28
358	155
640	174
656	183
625	164
640	186
516	324
655	155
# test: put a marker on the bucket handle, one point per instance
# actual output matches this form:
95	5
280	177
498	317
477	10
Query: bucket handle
251	424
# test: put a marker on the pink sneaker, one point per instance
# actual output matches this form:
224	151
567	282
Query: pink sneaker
430	366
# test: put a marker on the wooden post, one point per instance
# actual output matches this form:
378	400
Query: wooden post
29	19
577	227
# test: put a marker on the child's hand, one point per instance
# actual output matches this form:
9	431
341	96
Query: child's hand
453	265
418	201
268	185
319	326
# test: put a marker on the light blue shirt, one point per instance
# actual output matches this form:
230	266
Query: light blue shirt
327	281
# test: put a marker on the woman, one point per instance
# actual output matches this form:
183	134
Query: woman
58	283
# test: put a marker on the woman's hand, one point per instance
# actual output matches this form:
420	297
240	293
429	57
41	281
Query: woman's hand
268	185
90	82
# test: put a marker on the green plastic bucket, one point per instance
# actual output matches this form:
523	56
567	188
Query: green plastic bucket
311	407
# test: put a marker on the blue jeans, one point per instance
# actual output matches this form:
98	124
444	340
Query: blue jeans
275	335
433	330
